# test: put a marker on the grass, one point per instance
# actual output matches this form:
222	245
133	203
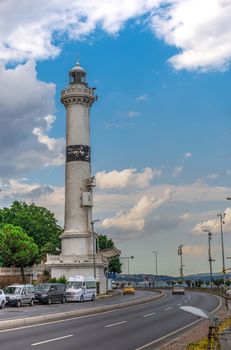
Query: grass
203	343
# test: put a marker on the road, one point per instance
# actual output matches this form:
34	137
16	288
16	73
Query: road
125	329
43	309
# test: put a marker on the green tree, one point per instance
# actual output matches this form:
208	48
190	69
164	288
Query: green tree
38	222
114	265
17	248
105	243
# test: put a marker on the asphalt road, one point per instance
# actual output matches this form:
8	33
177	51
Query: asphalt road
125	329
12	312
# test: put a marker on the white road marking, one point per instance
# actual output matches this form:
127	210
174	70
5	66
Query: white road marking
54	339
153	313
168	308
115	324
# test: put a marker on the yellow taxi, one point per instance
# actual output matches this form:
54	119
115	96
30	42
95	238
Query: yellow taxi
128	290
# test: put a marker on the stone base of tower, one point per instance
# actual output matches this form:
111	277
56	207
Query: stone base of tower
71	265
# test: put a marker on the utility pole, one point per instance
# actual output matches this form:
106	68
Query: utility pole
222	221
181	262
209	255
155	252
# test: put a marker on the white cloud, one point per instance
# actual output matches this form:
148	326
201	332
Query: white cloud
177	170
132	114
213	176
201	30
55	19
195	250
126	178
214	225
187	155
142	97
29	113
134	219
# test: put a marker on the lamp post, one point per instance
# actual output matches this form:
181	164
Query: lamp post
128	258
222	221
209	254
93	245
155	252
181	262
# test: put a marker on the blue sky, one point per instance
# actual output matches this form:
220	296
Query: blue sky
160	130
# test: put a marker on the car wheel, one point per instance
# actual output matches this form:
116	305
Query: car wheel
18	304
81	299
49	301
63	300
93	297
32	302
3	304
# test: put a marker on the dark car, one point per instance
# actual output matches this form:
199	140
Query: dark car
50	292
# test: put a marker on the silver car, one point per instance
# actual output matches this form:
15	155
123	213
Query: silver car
2	299
18	294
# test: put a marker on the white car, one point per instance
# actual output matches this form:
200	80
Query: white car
178	289
2	299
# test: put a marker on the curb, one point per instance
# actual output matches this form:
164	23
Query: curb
33	320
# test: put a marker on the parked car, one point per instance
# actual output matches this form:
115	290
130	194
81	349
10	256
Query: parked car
128	290
50	292
81	288
178	289
2	299
18	294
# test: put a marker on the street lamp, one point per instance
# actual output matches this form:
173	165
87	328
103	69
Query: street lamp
128	258
155	252
222	221
93	244
210	258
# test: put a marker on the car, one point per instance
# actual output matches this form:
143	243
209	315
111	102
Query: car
50	292
128	290
2	299
18	294
178	289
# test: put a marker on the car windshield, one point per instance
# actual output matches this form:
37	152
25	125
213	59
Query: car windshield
13	290
74	285
42	287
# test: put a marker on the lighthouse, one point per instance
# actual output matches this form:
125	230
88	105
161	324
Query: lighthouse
77	99
79	252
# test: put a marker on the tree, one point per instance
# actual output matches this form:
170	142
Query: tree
37	222
17	248
115	265
106	244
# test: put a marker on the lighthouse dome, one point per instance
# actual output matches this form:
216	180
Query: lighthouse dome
77	75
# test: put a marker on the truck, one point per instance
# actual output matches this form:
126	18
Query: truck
81	288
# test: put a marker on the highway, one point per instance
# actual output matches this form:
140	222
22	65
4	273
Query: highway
153	323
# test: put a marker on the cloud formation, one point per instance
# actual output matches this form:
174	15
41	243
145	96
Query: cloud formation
126	178
26	119
134	219
195	250
214	225
199	30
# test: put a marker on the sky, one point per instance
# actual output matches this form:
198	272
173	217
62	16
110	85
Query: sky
160	130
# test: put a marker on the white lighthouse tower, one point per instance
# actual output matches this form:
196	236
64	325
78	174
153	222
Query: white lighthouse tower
79	254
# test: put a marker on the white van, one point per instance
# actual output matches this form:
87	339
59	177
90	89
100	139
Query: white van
81	288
